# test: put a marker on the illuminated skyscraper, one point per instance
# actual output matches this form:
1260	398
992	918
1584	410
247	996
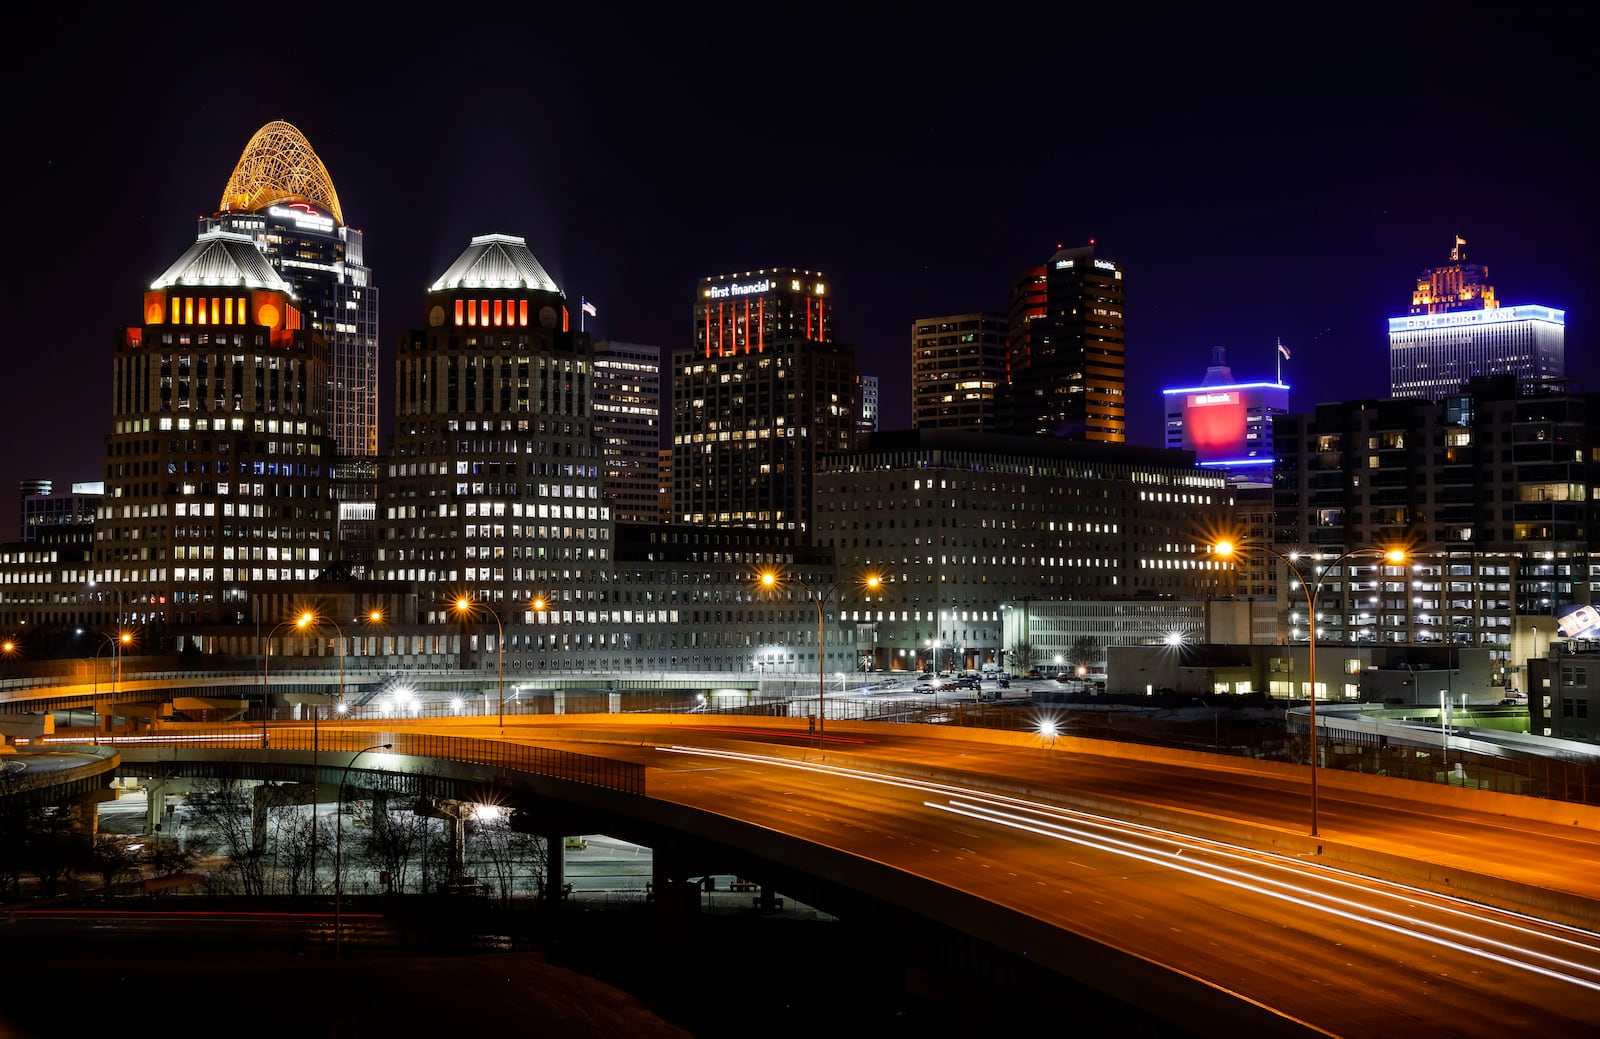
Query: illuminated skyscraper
1065	355
867	404
217	464
281	196
1226	423
760	395
493	487
627	419
958	371
1456	331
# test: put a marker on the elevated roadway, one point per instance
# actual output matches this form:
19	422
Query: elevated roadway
1181	886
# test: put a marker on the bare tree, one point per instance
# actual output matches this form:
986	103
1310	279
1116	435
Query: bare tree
51	849
504	854
1085	651
1019	658
293	842
395	838
221	809
113	857
167	858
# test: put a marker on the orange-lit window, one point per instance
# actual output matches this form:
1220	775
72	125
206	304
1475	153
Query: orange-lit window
216	310
460	305
522	315
176	314
188	310
472	312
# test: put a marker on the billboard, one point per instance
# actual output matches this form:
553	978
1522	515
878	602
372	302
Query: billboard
1215	424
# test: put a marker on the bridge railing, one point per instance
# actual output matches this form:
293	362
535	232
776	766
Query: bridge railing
622	776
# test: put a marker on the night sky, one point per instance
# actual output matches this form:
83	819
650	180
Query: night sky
1258	178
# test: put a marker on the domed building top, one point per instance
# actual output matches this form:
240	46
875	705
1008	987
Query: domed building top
496	261
223	258
278	165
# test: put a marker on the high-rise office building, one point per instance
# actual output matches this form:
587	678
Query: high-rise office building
1488	483
493	482
627	419
1456	330
867	398
217	465
1067	372
958	371
281	196
760	394
32	487
1080	521
1226	423
50	517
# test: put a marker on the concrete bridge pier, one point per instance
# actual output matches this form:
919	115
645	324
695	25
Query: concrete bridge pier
83	811
155	807
674	895
555	869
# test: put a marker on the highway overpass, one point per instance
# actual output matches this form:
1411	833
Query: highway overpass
1097	883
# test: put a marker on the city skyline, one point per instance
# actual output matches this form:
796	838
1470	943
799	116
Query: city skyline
1254	190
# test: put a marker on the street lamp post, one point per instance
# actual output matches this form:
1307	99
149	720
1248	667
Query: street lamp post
306	621
770	579
266	660
338	851
467	607
1312	590
116	641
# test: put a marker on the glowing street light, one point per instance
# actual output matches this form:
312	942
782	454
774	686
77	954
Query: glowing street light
469	607
266	660
117	641
771	579
1227	549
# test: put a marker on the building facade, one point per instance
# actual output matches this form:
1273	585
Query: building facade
1487	487
1065	350
958	523
1456	330
627	419
761	395
218	464
493	485
958	371
1226	423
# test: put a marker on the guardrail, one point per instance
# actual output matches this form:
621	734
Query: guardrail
621	776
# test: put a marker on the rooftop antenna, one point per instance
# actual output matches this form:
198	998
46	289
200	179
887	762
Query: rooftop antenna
1458	254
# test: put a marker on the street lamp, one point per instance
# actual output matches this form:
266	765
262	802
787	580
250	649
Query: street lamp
468	607
304	622
771	579
338	849
266	659
1227	549
116	640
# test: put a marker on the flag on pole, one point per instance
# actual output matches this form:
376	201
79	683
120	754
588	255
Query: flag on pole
588	308
1284	350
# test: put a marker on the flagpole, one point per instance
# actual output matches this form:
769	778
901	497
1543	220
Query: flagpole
1278	356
